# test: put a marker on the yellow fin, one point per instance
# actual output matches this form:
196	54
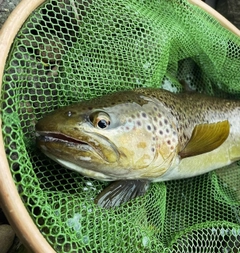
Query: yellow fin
205	138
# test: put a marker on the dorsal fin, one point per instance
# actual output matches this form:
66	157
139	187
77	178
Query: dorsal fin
205	138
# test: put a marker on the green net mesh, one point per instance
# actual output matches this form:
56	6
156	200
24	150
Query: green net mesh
68	51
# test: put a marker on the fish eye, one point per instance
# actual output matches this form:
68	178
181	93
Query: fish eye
102	123
100	120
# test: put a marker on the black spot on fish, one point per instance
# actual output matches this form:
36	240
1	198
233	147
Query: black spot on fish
184	136
144	115
161	132
139	123
149	127
165	122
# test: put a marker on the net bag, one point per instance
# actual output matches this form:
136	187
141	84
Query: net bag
71	50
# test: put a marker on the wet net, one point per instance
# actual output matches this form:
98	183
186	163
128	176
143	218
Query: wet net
68	51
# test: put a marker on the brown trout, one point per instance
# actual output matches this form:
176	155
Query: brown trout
142	136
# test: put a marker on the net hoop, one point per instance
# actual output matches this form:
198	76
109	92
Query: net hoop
11	202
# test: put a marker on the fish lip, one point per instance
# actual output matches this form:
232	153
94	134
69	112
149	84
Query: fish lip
67	140
46	136
58	137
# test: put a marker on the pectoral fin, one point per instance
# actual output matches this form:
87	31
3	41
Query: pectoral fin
205	138
120	192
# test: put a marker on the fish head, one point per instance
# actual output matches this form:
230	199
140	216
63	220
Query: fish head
117	136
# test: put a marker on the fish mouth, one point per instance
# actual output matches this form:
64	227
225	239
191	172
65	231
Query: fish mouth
78	144
59	137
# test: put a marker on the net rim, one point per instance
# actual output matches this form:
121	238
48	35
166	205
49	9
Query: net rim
222	20
11	202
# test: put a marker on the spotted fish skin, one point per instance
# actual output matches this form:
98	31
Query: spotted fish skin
190	109
186	111
140	135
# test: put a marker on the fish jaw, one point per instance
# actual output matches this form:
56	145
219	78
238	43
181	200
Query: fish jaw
83	171
94	155
84	159
76	154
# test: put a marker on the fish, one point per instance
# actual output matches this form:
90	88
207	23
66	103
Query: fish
138	137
